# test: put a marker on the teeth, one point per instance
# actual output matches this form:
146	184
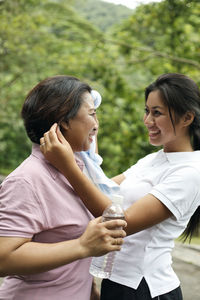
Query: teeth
153	132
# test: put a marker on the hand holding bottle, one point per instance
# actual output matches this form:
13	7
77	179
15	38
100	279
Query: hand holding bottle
100	238
102	266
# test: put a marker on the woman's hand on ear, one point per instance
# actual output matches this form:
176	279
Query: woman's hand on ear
56	149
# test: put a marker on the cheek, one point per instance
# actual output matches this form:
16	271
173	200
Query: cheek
90	123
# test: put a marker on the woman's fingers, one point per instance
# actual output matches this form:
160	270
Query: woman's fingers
102	237
114	224
50	139
52	134
42	142
117	241
60	135
115	233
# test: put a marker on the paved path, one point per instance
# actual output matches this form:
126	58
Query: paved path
187	253
186	263
189	275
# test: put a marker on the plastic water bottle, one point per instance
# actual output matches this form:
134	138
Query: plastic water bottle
101	266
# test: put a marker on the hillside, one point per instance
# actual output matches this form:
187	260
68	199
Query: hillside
102	14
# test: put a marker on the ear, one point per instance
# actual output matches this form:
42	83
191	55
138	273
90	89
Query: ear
188	118
64	125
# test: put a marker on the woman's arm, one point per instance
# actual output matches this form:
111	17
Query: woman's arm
20	256
58	151
119	178
144	213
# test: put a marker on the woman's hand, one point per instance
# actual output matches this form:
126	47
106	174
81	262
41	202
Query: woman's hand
100	238
21	256
56	149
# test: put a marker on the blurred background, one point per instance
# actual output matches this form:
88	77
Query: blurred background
116	49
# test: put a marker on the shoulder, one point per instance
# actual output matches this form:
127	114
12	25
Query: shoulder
185	163
31	172
142	163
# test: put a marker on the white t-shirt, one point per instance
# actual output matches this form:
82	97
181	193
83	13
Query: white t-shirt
173	178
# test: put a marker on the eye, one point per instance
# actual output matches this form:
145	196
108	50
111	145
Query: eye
93	114
146	111
156	113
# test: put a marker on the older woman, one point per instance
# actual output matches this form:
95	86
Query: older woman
44	237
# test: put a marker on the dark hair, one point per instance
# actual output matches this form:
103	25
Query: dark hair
181	95
55	99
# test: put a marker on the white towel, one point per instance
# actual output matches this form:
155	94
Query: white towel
93	161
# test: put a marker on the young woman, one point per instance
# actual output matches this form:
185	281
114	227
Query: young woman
161	191
44	233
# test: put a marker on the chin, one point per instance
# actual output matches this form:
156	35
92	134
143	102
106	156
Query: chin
154	143
86	148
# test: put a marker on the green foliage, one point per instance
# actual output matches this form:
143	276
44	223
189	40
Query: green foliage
102	14
163	37
40	40
44	38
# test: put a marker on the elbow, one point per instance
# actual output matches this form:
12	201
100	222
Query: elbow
131	226
3	271
5	267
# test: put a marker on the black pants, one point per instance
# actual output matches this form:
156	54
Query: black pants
113	291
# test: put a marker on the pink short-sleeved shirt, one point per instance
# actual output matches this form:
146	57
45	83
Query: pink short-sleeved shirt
36	201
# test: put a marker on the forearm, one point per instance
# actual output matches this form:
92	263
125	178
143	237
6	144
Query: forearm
21	256
144	213
32	258
118	179
58	151
91	196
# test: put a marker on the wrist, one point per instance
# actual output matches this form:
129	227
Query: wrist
83	251
69	167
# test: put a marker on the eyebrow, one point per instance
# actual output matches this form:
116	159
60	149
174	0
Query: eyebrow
92	109
155	107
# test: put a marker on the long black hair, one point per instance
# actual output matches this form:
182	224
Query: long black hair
181	95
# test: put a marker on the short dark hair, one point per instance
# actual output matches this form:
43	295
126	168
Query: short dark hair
54	99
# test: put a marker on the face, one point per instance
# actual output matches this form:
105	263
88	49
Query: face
160	128
82	128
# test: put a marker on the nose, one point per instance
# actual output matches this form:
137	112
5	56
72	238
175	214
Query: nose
95	129
149	119
96	126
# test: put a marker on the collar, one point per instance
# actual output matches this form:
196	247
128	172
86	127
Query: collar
52	170
181	156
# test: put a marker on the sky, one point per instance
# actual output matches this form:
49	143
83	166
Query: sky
131	3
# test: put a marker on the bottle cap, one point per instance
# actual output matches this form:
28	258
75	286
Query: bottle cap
118	199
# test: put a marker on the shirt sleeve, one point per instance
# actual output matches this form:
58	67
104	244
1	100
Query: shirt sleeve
179	191
20	213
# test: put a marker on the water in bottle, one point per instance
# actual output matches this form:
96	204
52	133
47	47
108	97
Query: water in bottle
101	266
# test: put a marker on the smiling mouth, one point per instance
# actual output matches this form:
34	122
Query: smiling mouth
153	133
91	138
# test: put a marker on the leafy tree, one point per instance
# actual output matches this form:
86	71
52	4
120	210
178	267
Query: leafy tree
40	40
44	38
162	44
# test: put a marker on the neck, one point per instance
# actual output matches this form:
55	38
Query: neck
179	147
